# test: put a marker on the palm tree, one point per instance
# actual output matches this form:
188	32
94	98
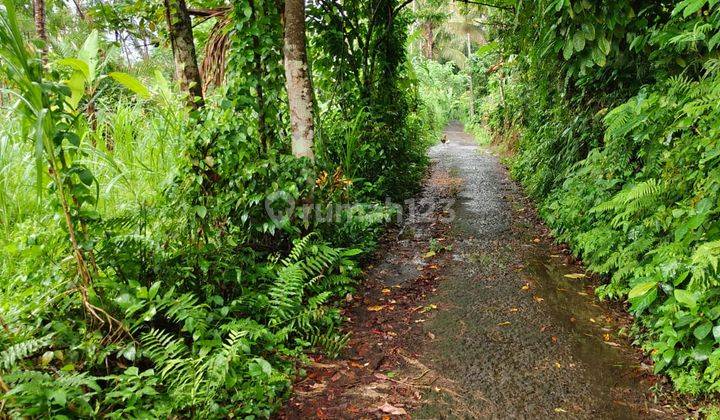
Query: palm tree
450	33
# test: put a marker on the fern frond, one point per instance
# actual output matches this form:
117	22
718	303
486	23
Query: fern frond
10	356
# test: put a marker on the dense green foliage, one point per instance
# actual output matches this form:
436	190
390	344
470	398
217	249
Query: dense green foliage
612	109
141	274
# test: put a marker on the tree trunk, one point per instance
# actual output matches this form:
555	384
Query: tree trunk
429	44
39	12
501	79
78	9
183	47
299	86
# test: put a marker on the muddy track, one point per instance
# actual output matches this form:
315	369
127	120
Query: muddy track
495	322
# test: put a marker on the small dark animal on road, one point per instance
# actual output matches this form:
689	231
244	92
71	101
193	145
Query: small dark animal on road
444	138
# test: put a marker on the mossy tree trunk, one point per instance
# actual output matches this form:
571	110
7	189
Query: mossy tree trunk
183	48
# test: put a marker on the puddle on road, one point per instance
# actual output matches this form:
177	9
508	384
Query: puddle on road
590	327
495	348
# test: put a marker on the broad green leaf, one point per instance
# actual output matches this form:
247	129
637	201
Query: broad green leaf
89	54
351	252
154	289
201	211
131	83
716	332
58	396
579	41
76	83
86	176
263	364
76	64
642	302
598	57
668	355
685	298
702	352
702	330
659	365
692	6
568	50
641	289
604	45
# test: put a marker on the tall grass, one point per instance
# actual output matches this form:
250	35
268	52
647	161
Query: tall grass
18	196
145	152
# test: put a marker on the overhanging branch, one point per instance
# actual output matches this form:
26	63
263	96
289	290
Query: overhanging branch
480	3
220	11
400	6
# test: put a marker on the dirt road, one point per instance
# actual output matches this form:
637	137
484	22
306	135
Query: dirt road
473	313
521	334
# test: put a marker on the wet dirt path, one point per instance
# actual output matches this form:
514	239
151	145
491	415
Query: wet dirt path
470	311
520	333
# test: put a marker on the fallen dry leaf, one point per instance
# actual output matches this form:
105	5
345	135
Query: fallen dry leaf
375	308
538	299
560	410
526	286
575	276
392	410
431	335
504	324
385	291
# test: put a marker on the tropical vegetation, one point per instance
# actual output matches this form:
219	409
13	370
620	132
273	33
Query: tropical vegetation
610	112
189	189
178	189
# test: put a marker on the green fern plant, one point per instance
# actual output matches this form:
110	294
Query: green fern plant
10	357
